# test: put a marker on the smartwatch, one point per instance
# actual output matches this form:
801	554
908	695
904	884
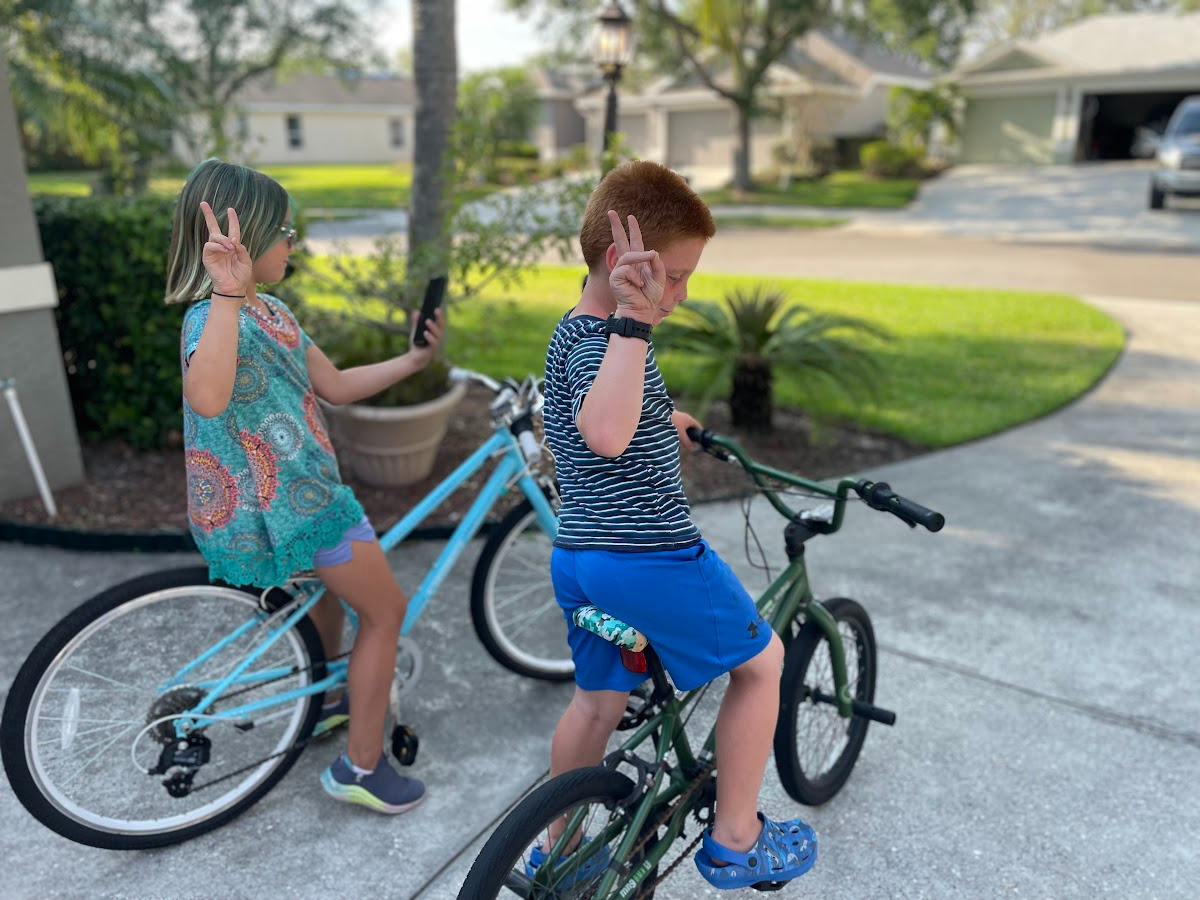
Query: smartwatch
627	327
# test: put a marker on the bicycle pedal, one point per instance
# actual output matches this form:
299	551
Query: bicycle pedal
767	886
405	745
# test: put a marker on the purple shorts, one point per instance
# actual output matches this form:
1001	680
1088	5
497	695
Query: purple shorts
342	553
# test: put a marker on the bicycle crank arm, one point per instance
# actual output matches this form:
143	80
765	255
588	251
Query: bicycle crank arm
862	710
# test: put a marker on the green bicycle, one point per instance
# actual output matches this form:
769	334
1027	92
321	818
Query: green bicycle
635	805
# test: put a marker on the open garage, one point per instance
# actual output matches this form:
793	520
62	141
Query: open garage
1096	90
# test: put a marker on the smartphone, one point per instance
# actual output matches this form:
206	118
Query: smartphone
434	292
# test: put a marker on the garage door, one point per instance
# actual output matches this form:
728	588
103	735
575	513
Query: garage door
1009	130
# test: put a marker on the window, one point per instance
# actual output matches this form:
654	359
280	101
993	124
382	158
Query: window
396	130
295	136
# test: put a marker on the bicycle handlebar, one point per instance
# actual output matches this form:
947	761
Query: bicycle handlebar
878	495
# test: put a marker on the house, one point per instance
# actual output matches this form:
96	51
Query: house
1079	93
559	126
830	87
313	118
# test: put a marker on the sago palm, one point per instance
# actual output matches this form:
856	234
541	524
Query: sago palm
740	343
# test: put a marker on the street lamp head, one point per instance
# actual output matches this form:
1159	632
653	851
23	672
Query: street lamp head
614	39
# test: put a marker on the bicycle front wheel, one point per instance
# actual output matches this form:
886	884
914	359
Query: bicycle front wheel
512	600
500	870
815	748
94	706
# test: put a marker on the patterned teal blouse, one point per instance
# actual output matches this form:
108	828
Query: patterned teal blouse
264	493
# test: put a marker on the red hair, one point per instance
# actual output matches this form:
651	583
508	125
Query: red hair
664	204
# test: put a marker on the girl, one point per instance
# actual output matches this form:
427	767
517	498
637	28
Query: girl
264	495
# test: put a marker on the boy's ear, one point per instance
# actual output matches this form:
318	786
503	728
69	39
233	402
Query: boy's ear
611	256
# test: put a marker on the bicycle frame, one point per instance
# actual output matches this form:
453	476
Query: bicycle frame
786	597
512	467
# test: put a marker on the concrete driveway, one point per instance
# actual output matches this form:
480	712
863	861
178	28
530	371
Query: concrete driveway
1100	203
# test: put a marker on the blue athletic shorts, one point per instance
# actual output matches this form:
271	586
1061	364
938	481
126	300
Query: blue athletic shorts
342	552
688	603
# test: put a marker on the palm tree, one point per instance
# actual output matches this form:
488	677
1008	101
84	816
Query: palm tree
435	76
742	340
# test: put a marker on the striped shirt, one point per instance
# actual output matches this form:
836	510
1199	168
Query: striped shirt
632	503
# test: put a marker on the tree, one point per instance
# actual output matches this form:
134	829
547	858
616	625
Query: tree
495	108
76	97
731	45
435	65
728	44
196	55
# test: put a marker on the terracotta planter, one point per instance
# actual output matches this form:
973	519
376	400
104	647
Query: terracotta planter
389	446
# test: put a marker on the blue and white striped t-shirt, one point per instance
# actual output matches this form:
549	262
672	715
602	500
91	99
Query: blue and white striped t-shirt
634	502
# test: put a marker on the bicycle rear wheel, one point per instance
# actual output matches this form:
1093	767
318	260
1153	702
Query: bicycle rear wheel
500	871
512	600
815	748
94	705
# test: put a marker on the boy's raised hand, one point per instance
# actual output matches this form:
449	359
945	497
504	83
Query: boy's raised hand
638	278
225	259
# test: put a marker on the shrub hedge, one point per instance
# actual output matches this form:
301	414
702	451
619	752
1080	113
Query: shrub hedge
120	341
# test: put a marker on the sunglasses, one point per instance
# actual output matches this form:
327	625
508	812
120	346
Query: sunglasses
289	235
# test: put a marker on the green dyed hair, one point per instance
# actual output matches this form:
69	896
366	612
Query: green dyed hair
262	207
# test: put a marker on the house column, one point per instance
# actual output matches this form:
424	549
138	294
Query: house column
658	134
1067	107
29	348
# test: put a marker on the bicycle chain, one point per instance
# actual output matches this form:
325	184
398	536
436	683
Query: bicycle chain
299	745
698	782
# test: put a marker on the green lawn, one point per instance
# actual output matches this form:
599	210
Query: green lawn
380	186
846	189
964	363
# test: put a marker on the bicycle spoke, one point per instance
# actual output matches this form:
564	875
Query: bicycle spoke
521	595
98	677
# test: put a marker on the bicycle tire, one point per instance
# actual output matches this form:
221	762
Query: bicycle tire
500	865
95	663
815	748
530	640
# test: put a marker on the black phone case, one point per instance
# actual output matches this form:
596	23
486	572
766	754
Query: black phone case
434	292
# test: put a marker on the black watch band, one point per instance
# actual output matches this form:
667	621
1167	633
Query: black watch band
627	327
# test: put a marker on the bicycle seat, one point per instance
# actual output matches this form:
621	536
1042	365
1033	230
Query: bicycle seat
609	627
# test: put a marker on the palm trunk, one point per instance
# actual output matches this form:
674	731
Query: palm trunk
435	74
752	402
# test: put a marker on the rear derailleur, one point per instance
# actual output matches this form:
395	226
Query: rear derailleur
185	757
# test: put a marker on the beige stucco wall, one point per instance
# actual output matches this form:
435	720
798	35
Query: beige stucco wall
328	137
29	347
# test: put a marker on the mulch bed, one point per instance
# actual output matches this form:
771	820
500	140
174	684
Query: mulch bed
136	491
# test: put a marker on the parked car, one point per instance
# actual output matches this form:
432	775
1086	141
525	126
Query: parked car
1178	156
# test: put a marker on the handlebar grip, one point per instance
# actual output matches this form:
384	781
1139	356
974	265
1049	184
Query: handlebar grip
879	495
699	435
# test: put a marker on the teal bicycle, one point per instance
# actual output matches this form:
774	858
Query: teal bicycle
634	807
165	706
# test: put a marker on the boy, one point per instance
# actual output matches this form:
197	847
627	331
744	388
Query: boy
626	542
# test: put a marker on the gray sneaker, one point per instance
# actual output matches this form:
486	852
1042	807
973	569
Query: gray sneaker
385	790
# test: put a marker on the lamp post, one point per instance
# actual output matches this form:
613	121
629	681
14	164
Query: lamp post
614	46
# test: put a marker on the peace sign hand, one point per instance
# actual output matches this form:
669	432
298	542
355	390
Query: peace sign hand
639	277
225	259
